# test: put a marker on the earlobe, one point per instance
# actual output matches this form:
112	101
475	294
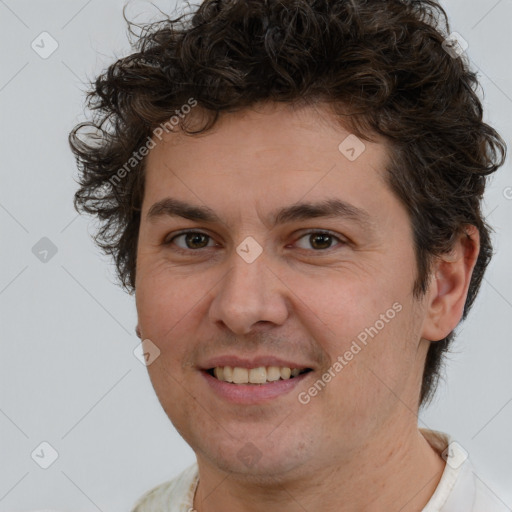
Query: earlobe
449	286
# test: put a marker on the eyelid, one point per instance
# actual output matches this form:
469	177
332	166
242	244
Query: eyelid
318	231
311	231
307	231
170	237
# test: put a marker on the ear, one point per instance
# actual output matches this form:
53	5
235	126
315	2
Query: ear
449	286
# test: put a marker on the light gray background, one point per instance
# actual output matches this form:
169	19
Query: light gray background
68	373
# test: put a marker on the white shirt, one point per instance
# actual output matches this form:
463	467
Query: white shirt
459	490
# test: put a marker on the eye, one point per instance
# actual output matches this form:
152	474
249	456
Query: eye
192	240
318	240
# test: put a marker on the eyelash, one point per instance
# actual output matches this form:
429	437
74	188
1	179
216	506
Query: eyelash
305	234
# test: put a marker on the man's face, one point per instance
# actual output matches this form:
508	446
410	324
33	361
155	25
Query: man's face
334	277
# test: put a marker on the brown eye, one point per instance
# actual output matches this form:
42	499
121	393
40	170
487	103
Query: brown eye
318	241
192	240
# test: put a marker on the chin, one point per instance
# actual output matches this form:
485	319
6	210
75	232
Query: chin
257	457
268	470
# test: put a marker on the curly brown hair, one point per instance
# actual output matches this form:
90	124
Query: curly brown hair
380	65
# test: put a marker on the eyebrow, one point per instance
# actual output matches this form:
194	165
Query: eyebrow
334	208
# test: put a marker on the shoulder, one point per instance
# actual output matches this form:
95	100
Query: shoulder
461	487
173	496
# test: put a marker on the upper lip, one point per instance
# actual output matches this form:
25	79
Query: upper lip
255	362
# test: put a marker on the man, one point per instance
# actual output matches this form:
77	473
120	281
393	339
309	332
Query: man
292	190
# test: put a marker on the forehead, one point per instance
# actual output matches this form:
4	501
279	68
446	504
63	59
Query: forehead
274	152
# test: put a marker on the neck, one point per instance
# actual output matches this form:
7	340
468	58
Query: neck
397	469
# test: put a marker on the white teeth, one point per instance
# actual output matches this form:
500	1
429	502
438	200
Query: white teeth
240	375
273	373
259	375
227	374
285	373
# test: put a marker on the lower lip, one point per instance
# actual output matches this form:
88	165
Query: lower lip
253	393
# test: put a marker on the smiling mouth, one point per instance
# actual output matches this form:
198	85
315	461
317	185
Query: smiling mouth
260	375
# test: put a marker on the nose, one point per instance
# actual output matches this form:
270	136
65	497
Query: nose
250	295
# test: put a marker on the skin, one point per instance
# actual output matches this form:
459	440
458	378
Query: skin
356	445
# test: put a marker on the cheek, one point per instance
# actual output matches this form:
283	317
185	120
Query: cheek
372	325
391	356
346	307
164	297
167	315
